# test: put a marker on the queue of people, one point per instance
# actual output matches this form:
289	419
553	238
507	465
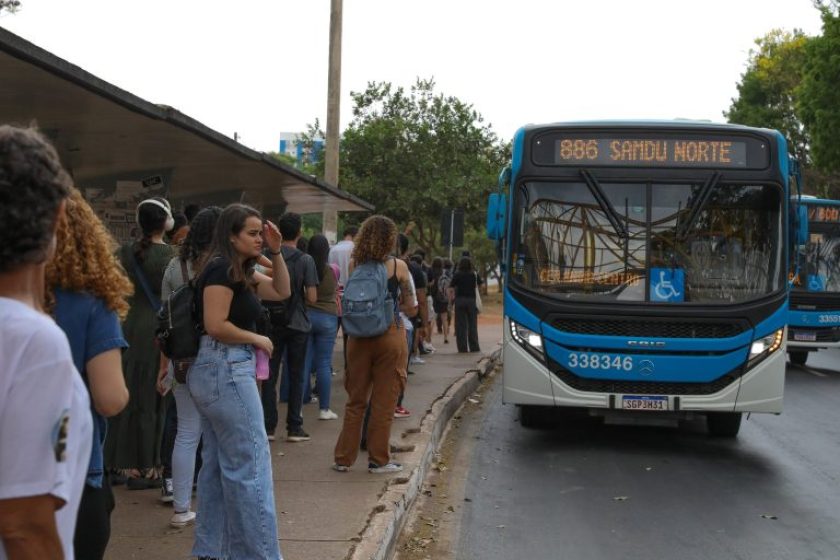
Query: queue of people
103	406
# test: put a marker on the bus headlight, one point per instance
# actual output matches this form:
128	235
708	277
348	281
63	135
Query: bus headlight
764	346
527	339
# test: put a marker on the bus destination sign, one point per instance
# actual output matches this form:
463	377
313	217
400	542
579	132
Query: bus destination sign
650	150
667	153
825	214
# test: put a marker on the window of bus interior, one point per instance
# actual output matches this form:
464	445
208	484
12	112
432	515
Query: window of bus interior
820	268
566	246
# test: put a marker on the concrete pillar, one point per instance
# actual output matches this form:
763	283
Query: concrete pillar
331	144
330	225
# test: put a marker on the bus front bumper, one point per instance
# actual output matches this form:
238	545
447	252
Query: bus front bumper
527	381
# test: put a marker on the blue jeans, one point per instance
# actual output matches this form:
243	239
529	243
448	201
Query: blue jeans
319	352
236	516
186	443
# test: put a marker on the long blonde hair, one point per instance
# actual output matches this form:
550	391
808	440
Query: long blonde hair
85	259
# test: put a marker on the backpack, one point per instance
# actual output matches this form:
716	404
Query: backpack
442	292
178	333
368	310
290	314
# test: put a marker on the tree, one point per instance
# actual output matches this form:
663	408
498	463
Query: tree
780	89
767	92
9	5
819	94
413	153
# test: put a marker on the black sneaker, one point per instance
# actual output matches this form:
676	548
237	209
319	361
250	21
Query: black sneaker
166	493
297	435
143	483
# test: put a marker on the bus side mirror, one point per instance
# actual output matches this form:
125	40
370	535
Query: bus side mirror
801	225
496	216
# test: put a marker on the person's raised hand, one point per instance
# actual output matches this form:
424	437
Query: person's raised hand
272	236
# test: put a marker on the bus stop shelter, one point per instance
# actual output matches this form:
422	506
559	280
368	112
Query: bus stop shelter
120	148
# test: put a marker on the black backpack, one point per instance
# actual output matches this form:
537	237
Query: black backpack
290	314
178	332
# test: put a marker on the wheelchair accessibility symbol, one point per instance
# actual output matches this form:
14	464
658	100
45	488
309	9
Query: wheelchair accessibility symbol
667	284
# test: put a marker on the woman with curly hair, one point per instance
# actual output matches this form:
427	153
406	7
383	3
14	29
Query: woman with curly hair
86	293
134	435
376	366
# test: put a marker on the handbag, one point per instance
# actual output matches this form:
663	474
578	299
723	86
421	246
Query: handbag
181	367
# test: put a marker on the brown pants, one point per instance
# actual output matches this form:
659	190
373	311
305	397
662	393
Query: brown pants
376	373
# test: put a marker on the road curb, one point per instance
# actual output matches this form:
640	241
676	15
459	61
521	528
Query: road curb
379	537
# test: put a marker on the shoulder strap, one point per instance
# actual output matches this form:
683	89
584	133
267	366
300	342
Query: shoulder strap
297	274
138	273
184	273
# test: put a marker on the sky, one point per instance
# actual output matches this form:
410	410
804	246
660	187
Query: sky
259	67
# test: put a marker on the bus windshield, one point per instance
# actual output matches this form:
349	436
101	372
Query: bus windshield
704	242
820	270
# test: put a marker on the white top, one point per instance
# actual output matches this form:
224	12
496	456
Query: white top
340	255
46	430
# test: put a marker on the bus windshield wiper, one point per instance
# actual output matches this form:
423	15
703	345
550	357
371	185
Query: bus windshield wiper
603	201
702	198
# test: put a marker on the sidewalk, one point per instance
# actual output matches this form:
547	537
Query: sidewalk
323	514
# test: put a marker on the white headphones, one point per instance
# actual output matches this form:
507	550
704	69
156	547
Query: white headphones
170	221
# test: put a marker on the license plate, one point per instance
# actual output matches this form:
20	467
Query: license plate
644	402
806	336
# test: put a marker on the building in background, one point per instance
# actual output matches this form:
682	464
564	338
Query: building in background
291	146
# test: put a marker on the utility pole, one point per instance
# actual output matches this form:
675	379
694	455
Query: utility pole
330	215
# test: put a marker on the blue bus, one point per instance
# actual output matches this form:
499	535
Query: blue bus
645	270
814	316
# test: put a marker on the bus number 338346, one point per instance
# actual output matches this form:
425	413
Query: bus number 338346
585	360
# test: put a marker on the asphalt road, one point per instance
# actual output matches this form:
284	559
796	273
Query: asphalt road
632	492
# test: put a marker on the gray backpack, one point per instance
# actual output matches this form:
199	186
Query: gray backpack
367	308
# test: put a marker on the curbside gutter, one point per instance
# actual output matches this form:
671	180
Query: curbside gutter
377	540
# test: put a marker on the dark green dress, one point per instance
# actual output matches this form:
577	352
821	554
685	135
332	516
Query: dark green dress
134	435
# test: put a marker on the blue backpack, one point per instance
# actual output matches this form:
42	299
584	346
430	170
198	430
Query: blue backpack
367	308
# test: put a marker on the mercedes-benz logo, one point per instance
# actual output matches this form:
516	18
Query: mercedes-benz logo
646	367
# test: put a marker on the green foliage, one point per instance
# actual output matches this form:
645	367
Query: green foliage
767	92
311	224
483	253
791	85
413	153
819	93
9	5
284	158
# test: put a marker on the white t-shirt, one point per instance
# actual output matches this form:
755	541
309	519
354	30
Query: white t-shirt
340	255
46	430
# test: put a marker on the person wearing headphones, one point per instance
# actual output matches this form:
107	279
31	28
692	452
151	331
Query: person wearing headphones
134	435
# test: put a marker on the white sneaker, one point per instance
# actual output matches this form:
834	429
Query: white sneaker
327	415
182	519
313	400
385	469
416	360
